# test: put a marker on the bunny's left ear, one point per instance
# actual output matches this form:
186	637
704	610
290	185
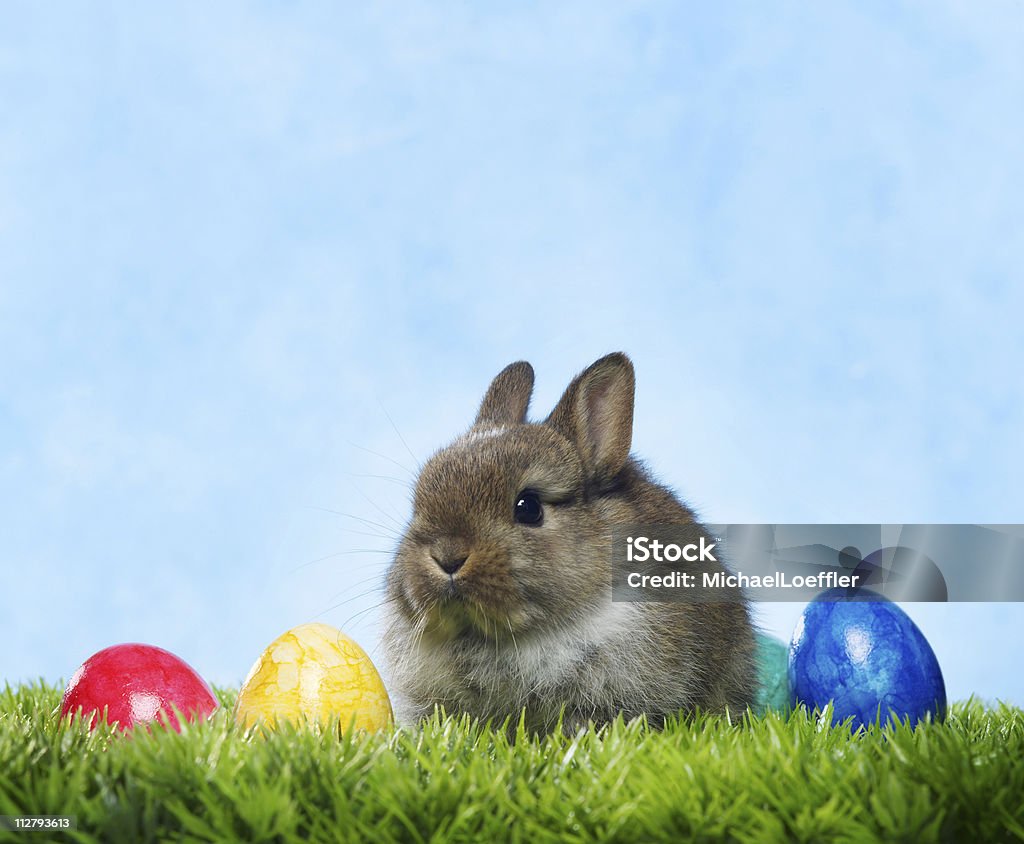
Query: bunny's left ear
596	414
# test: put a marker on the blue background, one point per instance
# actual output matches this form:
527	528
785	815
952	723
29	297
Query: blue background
248	249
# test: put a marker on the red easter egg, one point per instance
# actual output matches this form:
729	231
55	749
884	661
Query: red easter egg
137	684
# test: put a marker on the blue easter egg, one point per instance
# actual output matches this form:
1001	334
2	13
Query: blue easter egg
863	653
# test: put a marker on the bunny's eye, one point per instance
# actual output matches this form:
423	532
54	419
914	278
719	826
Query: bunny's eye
528	508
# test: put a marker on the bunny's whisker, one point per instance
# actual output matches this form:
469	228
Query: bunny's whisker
362	612
391	534
391	479
372	579
336	554
405	469
398	523
340	604
415	460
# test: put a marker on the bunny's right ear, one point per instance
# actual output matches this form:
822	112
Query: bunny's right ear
508	396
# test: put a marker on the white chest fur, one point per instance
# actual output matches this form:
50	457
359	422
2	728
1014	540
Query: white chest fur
585	663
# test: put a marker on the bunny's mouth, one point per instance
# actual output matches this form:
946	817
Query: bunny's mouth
461	612
455	618
451	591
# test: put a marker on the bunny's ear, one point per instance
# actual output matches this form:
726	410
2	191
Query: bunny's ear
596	414
508	396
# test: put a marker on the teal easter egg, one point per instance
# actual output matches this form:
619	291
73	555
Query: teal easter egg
772	675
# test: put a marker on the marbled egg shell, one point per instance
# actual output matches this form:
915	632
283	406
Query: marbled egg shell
310	674
863	653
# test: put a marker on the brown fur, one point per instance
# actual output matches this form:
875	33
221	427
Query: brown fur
527	621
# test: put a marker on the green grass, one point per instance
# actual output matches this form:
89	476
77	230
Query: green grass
701	779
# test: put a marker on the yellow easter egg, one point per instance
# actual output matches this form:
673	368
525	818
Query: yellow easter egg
310	674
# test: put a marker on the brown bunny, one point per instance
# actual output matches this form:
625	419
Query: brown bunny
499	595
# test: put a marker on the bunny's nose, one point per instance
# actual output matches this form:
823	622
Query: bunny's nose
450	553
449	565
